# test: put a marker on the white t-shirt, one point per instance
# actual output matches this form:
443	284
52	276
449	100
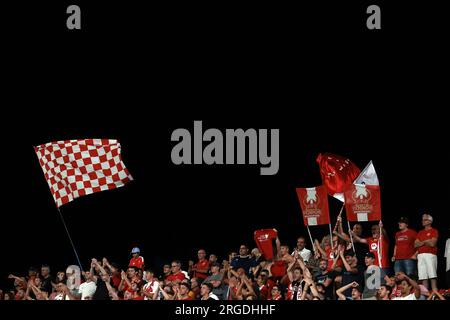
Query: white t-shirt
305	254
447	254
59	296
87	289
411	296
152	287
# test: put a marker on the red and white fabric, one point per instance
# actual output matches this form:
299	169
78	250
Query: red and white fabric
314	204
75	168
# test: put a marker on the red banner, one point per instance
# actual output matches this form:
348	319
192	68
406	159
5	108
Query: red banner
362	203
314	204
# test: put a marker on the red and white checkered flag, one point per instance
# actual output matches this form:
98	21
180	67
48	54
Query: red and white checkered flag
74	168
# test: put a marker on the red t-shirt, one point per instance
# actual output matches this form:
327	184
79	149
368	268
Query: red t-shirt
404	240
330	258
373	247
174	277
116	279
136	262
263	239
427	235
139	298
204	265
278	269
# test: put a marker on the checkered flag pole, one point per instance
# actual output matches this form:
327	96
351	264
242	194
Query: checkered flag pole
75	168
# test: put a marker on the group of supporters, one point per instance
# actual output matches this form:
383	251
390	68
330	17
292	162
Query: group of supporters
345	266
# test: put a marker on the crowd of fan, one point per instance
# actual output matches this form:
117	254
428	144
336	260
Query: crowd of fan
344	267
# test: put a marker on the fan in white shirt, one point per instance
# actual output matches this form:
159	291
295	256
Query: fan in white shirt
302	251
407	285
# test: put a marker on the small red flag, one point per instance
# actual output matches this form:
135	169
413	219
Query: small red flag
314	204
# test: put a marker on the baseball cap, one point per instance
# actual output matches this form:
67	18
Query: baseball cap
370	255
215	277
404	220
135	250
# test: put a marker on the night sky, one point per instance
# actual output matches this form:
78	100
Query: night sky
357	95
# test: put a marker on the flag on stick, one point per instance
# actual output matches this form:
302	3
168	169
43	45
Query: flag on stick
362	198
337	173
75	168
314	204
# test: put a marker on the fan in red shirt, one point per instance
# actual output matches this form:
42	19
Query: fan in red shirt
176	275
426	244
275	293
374	242
404	251
136	260
200	269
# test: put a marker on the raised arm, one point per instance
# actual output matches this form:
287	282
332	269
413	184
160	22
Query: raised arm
340	291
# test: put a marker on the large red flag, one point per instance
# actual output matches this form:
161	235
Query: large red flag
362	199
314	204
337	172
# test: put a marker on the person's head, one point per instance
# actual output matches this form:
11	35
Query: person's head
87	276
105	277
212	258
335	240
321	289
284	250
323	264
134	287
175	266
60	287
149	274
135	252
357	229
369	259
349	256
260	280
232	255
32	272
427	220
184	288
8	296
243	250
301	243
201	254
216	282
356	293
405	287
61	275
264	273
215	268
114	268
275	291
255	252
37	282
240	271
326	242
127	295
45	270
132	272
194	283
206	289
20	294
403	223
384	292
375	230
166	269
297	274
233	281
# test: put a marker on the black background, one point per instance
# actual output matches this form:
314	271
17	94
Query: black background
136	73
